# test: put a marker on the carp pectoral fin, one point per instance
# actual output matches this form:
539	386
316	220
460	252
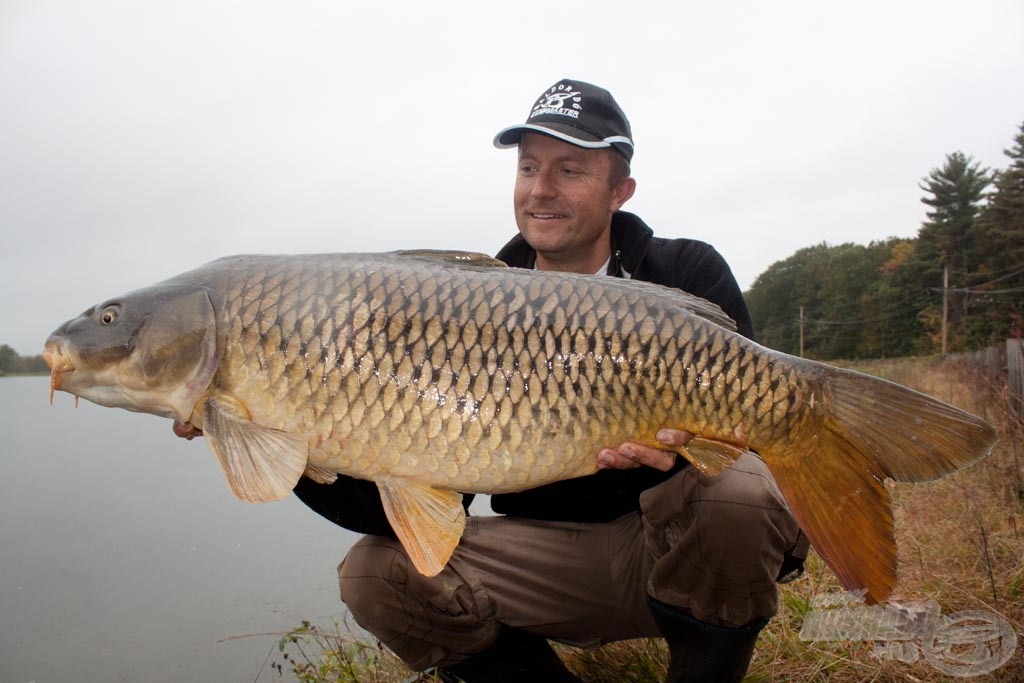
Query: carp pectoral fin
320	475
261	464
711	456
428	521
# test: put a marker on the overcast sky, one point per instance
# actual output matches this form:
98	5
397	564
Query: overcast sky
139	139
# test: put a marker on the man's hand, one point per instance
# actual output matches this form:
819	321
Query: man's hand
186	430
629	455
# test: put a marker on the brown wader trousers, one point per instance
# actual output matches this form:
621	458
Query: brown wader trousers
710	545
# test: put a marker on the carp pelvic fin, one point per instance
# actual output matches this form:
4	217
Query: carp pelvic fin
711	456
320	475
261	464
428	521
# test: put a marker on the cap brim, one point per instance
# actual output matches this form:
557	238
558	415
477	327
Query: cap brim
513	135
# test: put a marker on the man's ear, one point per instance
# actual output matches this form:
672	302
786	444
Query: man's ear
622	192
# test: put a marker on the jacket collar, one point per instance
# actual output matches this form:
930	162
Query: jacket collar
630	238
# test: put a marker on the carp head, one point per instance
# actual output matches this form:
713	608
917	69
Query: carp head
151	351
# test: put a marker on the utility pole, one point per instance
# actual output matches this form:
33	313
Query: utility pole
945	307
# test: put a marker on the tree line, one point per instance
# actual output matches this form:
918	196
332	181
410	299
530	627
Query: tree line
13	364
960	280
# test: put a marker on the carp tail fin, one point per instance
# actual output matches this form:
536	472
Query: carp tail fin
912	436
841	503
834	482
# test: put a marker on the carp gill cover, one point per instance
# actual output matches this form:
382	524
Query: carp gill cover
434	373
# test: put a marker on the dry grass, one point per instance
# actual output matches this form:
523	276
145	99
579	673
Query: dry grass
961	542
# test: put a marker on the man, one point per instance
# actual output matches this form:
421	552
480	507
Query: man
647	547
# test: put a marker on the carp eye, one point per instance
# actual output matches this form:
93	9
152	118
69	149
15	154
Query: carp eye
109	314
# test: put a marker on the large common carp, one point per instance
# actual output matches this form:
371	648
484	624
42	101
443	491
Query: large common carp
432	373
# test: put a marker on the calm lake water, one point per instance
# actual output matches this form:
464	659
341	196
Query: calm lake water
124	557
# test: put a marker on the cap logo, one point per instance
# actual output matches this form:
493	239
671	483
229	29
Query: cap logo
554	102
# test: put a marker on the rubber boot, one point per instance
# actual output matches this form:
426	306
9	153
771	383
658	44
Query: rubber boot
513	657
700	652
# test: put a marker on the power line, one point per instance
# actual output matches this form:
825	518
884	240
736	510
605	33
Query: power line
889	314
984	292
880	315
973	288
969	274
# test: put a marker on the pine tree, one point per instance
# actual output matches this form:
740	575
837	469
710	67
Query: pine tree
957	189
1001	242
949	238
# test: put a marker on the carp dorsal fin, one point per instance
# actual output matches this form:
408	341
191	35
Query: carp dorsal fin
475	260
452	257
703	308
428	521
677	297
261	464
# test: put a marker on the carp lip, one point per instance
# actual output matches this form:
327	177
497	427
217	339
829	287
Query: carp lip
60	367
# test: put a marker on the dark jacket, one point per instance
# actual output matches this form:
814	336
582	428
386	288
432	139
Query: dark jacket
690	265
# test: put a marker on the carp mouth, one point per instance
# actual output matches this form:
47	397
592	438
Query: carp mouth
60	367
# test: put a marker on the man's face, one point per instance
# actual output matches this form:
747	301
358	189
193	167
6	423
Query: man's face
564	202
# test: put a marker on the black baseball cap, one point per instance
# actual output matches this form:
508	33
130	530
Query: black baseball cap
578	113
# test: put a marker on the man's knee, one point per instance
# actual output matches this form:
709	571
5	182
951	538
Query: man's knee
743	508
371	578
426	621
748	480
720	540
744	496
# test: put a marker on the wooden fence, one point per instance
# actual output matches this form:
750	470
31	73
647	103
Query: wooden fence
1004	362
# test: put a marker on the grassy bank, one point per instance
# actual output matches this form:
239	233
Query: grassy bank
961	543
